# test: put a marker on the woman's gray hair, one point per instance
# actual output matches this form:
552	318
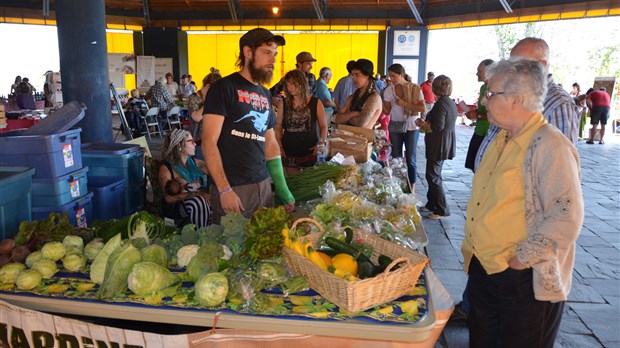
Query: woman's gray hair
521	76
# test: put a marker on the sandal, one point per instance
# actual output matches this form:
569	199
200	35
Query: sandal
601	142
589	142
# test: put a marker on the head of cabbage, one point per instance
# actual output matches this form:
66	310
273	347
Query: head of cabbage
155	253
46	267
211	290
74	262
54	251
28	279
10	271
147	278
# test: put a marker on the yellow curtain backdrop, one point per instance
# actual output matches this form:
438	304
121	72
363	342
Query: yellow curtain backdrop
122	43
333	50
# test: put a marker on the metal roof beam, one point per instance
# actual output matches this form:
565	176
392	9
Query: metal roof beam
233	5
506	6
415	12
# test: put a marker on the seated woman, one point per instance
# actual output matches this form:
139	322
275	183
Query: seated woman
190	198
299	116
25	99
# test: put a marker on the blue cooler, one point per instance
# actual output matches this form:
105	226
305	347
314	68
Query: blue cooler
61	190
80	211
15	199
109	198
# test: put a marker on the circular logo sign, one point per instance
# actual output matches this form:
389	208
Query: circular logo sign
411	38
402	39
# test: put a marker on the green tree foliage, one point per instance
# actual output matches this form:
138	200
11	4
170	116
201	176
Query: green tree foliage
604	61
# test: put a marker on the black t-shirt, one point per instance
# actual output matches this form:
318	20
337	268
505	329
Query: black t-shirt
248	115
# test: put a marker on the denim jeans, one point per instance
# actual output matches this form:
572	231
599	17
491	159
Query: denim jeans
410	140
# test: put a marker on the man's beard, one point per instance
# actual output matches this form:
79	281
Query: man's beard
258	74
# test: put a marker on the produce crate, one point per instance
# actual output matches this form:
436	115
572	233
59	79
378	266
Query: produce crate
109	198
50	192
50	155
355	296
15	198
80	211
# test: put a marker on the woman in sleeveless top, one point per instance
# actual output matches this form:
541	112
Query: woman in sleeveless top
300	121
195	105
179	165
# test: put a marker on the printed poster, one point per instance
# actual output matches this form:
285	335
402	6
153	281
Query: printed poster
162	67
406	43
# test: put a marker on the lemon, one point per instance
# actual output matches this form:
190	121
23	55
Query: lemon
346	263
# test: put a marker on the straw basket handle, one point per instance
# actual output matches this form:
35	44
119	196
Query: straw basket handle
394	263
312	221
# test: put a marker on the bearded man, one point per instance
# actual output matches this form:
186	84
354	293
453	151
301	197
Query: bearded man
240	147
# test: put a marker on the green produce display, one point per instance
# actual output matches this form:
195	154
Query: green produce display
148	278
156	254
211	290
117	270
305	185
98	267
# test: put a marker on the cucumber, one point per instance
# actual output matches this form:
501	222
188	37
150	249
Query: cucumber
343	247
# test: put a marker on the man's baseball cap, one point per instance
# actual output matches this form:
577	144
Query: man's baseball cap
258	36
303	57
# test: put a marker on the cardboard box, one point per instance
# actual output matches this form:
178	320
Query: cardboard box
349	144
369	134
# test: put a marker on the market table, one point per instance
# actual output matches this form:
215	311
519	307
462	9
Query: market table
423	333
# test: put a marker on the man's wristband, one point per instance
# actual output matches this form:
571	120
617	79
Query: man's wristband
226	190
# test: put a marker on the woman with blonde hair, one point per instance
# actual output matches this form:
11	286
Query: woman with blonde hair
195	105
300	122
178	164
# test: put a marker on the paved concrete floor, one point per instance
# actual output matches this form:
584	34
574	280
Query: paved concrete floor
592	314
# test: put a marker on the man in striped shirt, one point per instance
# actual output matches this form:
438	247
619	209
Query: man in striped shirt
559	108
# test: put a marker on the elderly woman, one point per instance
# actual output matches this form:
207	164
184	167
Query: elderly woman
300	122
192	200
440	141
523	217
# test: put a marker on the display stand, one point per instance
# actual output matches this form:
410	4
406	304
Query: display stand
121	113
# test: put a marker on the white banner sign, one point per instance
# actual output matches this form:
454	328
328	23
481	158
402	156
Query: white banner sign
20	327
162	67
146	71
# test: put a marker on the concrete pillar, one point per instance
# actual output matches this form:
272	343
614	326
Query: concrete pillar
84	64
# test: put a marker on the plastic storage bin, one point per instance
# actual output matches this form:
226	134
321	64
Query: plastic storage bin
50	155
119	160
50	192
15	198
80	211
123	160
109	198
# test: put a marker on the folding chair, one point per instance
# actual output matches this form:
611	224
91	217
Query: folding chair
150	120
174	117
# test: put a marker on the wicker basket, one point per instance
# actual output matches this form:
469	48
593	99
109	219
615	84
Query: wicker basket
356	296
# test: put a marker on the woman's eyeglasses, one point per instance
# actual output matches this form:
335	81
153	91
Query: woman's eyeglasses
489	94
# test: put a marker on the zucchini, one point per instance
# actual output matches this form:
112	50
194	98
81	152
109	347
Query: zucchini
366	270
385	261
329	252
343	247
348	233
